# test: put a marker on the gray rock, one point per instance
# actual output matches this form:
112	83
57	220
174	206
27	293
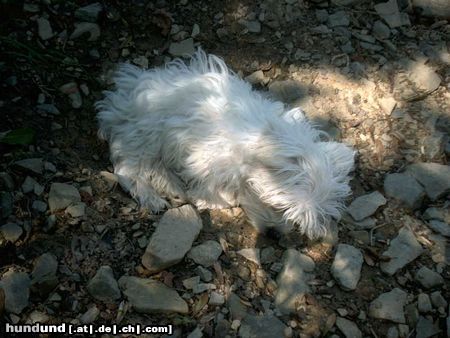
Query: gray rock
48	108
380	30
425	328
434	9
45	31
420	81
266	326
190	283
28	185
16	286
172	239
287	91
346	267
440	227
6	182
197	333
237	308
90	315
35	165
348	328
89	13
39	206
424	303
338	19
366	205
6	204
344	2
404	188
257	78
428	278
293	280
389	306
204	274
103	286
434	177
251	254
62	195
321	15
76	210
86	28
390	13
150	296
253	26
437	300
11	232
206	254
392	332
71	90
182	48
43	276
439	214
402	250
216	298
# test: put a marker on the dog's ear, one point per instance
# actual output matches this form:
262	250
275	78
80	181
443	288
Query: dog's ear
340	156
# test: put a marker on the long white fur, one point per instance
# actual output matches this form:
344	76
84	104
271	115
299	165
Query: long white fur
198	132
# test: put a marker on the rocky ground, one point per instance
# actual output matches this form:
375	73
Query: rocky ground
75	248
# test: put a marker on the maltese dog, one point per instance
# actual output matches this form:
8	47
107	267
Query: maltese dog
197	132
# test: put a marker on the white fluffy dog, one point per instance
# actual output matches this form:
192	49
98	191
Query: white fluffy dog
199	133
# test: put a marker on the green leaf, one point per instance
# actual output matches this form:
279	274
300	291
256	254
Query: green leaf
21	136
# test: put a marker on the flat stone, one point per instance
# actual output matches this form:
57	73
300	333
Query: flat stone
425	328
440	227
402	250
366	205
28	185
387	104
424	303
90	315
348	328
390	13
172	239
190	283
182	48
434	177
293	280
251	254
404	188
253	26
439	214
420	81
11	232
16	286
150	296
392	332
237	308
438	300
39	206
380	30
35	165
45	31
346	267
429	278
257	78
82	28
206	254
89	13
266	326
389	306
339	18
76	210
43	276
205	274
344	2
62	195
216	298
103	286
6	182
433	9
